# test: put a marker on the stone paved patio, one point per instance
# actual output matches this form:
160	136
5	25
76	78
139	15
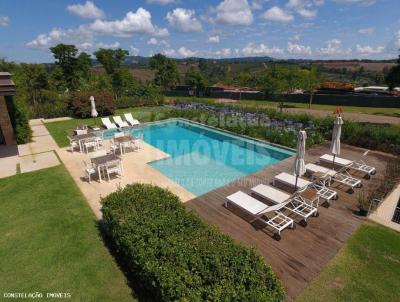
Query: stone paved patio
136	170
36	155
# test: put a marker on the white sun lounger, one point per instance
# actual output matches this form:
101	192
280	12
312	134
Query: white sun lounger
274	218
107	123
294	204
357	165
118	120
341	177
302	184
129	118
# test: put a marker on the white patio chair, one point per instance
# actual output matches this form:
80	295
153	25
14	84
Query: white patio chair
270	215
132	121
72	144
342	176
358	165
90	144
118	120
107	123
302	184
113	167
89	170
81	131
294	204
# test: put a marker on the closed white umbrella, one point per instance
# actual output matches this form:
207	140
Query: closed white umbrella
337	132
94	112
299	164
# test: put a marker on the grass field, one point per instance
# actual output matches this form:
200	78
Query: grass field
50	242
366	269
329	108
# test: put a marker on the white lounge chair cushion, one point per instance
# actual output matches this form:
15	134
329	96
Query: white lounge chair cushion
313	168
338	160
271	193
250	204
290	180
106	122
120	122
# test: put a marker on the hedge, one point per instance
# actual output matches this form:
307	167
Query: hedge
20	119
177	257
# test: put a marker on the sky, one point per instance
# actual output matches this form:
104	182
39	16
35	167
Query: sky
284	29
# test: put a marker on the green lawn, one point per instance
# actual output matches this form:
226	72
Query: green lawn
50	242
60	130
366	269
330	108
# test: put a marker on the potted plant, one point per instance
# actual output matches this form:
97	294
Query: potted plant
363	204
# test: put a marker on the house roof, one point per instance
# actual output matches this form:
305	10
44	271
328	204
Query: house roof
7	86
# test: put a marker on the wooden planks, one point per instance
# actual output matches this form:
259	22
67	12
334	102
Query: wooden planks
302	253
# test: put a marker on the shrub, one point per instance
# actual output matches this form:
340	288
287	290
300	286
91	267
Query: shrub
81	105
20	120
51	104
177	257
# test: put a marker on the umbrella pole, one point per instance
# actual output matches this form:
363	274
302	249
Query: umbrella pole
295	185
333	162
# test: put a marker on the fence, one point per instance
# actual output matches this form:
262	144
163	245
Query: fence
322	99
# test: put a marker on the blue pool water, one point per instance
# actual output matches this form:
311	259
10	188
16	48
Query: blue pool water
203	159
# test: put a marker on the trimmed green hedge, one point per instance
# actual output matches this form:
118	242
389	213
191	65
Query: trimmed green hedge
20	119
177	257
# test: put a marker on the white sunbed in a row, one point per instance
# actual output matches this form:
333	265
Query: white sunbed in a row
270	215
302	184
358	165
343	178
294	204
119	123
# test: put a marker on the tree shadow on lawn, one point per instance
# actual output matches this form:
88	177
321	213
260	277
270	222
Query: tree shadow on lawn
138	292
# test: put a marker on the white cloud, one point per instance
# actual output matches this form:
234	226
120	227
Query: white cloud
161	2
304	7
114	45
225	52
183	20
277	14
394	44
298	49
234	12
154	41
133	51
307	13
169	52
257	4
361	2
184	52
369	50
87	10
80	37
4	21
213	39
133	22
333	48
366	31
260	50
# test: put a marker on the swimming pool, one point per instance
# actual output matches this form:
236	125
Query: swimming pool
203	158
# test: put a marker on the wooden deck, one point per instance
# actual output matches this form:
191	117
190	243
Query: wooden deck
302	253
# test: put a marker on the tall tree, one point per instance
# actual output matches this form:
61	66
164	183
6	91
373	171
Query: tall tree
72	65
112	60
194	78
167	76
311	82
35	78
393	77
